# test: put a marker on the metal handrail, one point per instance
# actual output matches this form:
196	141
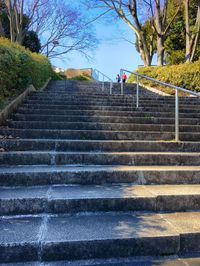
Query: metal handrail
96	75
177	89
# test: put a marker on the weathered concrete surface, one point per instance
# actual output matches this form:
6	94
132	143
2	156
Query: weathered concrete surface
86	175
99	174
19	239
8	110
11	107
98	145
101	158
132	261
188	226
98	235
91	198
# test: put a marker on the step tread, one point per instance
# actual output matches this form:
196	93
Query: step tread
101	153
119	209
98	227
111	191
174	260
95	168
86	227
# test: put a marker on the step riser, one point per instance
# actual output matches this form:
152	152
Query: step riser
99	178
21	111
141	120
66	97
76	107
93	135
19	253
81	103
100	126
56	206
106	108
112	102
48	209
86	250
97	158
25	145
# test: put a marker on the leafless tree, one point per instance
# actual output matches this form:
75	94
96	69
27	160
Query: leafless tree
60	27
192	37
131	13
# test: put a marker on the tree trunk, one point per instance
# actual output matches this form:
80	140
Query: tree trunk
2	33
187	29
159	31
160	50
19	21
144	52
12	27
195	37
11	20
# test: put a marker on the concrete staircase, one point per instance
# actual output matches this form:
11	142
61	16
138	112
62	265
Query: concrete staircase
86	175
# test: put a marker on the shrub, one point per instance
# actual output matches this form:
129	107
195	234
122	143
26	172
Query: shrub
19	68
183	75
81	77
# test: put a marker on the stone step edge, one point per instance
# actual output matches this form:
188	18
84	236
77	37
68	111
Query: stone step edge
31	175
74	198
170	241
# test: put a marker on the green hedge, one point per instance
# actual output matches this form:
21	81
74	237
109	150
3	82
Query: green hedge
183	75
19	68
81	78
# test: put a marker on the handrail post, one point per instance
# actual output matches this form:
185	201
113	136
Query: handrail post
122	84
137	92
176	117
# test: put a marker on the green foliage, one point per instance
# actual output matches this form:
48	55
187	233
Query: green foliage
176	37
58	76
19	68
32	42
149	35
81	77
182	75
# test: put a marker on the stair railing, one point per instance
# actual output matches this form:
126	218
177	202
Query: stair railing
101	77
176	88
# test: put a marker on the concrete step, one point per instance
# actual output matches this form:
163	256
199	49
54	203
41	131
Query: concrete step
101	158
100	174
106	113
94	134
174	260
76	107
93	198
110	101
105	119
107	108
76	97
100	94
80	103
97	145
98	235
101	126
126	103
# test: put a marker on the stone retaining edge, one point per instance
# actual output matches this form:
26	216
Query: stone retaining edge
11	107
153	90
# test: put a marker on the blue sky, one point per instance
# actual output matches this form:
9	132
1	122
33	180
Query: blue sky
113	51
